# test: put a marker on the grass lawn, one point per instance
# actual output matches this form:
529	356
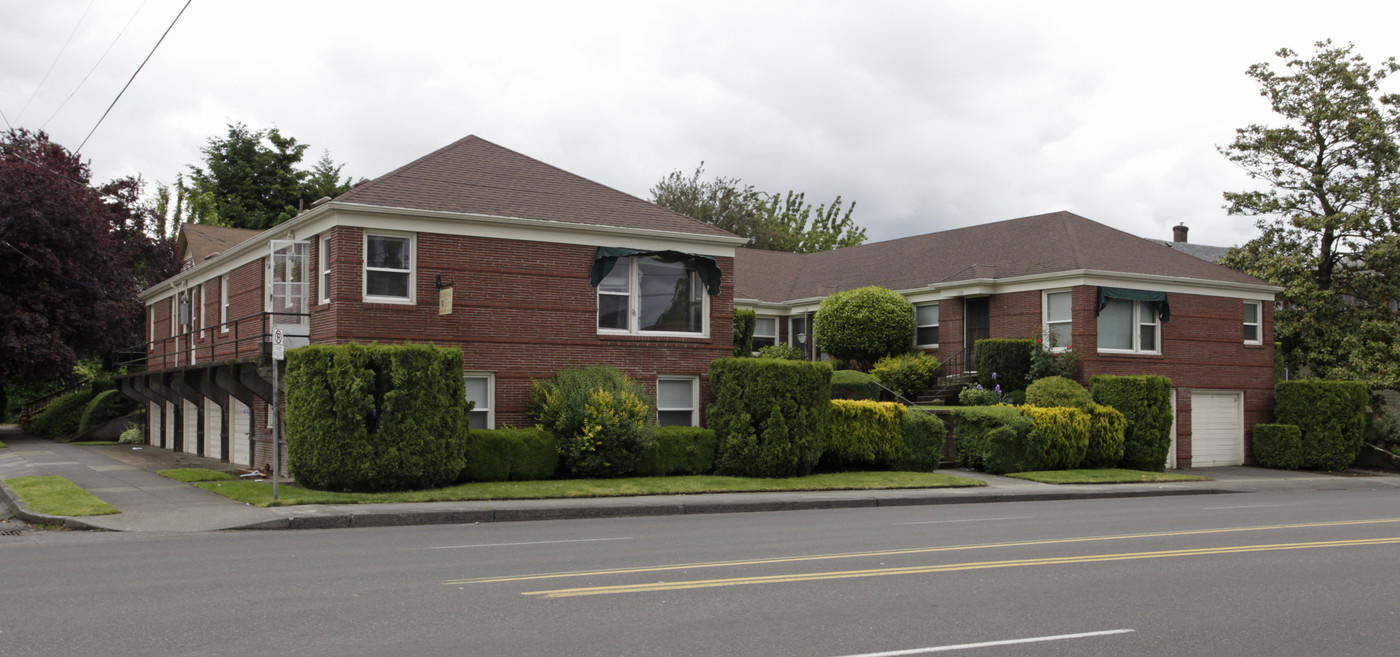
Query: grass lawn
190	475
260	493
57	496
1105	476
3	445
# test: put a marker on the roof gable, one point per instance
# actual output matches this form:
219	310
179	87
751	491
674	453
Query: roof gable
200	242
475	176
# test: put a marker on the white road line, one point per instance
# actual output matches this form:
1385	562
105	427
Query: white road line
480	545
990	644
939	522
1247	506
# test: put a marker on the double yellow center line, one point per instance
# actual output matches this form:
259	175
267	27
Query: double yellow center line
878	572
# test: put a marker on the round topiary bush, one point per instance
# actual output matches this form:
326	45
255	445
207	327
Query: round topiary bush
864	325
1057	391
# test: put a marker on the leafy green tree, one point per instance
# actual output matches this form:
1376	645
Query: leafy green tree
778	222
1329	213
250	179
864	325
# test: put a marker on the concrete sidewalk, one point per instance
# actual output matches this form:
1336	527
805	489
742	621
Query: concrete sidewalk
124	475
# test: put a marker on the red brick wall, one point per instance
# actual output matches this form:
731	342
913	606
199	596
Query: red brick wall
521	309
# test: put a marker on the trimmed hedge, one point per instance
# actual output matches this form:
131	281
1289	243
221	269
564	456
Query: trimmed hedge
781	351
863	434
106	405
1278	446
924	436
909	375
1146	402
854	384
1057	391
62	418
769	415
679	451
1009	360
375	417
1066	435
1107	427
1007	450
744	323
510	454
1331	416
972	424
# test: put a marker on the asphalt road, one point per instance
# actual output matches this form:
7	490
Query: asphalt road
1303	573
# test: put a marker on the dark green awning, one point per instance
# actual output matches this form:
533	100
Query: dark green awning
1158	299
705	266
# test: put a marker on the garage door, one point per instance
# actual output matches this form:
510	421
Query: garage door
1217	428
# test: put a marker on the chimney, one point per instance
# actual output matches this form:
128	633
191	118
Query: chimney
1179	233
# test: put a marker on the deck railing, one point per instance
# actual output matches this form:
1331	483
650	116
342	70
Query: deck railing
232	340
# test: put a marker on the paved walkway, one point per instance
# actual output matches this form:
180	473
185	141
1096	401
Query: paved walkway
124	475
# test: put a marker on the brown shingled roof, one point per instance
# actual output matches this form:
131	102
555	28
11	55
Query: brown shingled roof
1041	244
200	241
475	176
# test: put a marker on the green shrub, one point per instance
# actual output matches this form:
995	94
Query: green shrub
1014	398
1384	431
133	434
863	434
1057	391
62	418
105	406
1008	360
1048	360
769	415
510	454
924	437
1066	435
780	351
1278	446
1107	427
679	451
853	384
375	417
1007	450
976	395
744	323
864	324
909	375
971	426
1331	416
600	418
1146	402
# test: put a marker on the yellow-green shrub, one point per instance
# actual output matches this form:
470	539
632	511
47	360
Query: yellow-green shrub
863	433
1106	430
1066	435
599	417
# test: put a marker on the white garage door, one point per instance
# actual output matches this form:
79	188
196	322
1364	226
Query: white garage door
238	452
1217	428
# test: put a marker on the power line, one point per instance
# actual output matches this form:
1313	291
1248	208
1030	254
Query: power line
55	60
133	75
95	65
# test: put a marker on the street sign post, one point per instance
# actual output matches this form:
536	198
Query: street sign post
279	353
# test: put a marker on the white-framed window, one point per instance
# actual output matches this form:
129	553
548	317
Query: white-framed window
1129	327
175	315
151	331
195	310
650	296
389	268
926	325
765	333
677	401
481	388
324	266
223	303
1253	323
1059	318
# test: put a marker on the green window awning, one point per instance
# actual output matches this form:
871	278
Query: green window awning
705	266
1158	299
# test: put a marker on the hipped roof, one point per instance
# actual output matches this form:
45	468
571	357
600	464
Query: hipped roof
1038	245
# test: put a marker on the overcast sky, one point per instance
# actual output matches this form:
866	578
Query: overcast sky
930	115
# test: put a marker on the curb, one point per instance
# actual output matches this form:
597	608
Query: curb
23	512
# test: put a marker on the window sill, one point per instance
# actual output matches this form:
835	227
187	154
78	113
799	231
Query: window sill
1119	352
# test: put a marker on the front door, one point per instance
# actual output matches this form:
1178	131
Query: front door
977	325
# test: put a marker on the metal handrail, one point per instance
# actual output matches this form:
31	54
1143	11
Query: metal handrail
34	407
179	348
